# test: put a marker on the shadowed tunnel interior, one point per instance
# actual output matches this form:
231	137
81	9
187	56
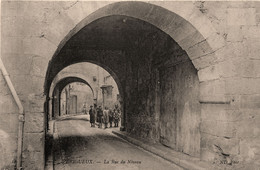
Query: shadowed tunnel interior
158	81
118	34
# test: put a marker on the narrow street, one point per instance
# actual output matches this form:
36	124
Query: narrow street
78	147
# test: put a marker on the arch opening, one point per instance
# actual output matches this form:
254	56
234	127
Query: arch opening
86	74
64	88
156	77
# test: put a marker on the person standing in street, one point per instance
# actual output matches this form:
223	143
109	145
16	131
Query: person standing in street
99	116
84	109
106	116
117	115
95	111
111	117
92	116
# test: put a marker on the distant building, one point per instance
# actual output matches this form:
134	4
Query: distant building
77	96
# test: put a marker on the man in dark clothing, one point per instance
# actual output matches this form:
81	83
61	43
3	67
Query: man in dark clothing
106	116
95	109
99	116
117	115
92	116
111	117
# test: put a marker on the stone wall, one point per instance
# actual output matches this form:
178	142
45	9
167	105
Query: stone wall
233	124
8	131
223	45
180	108
162	99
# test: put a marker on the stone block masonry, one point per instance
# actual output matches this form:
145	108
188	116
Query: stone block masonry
220	39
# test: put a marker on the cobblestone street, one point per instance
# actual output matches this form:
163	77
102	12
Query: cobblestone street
79	146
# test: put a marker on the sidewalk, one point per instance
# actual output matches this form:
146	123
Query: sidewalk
180	159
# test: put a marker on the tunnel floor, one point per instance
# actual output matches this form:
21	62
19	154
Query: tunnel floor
77	146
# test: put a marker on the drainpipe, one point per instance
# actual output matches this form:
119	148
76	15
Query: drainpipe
21	115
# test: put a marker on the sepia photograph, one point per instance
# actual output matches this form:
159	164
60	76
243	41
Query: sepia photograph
129	85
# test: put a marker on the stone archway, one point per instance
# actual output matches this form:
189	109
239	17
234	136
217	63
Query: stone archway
62	76
188	30
54	107
68	74
186	27
199	48
136	51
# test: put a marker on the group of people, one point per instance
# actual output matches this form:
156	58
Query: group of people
97	114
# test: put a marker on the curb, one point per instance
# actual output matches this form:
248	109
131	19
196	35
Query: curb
182	160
